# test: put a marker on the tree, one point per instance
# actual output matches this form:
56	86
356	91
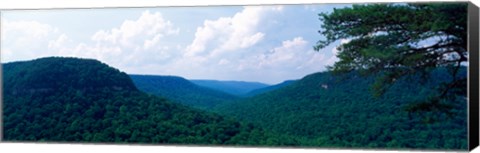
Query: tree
401	40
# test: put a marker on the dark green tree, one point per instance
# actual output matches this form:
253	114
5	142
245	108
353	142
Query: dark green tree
401	40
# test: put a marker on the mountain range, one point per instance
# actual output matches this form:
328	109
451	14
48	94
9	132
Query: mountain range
238	88
83	100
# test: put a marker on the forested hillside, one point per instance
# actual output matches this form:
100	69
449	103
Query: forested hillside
269	88
238	88
341	111
181	90
80	100
49	75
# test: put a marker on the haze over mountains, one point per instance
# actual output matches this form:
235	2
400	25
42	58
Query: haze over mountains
81	100
238	88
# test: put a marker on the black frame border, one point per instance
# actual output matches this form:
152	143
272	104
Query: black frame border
473	95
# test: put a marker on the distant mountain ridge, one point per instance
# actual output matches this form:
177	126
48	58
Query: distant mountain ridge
181	90
269	88
238	88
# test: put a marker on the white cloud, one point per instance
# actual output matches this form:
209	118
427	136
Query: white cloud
287	53
344	41
31	28
206	34
134	43
148	27
22	40
334	57
62	39
230	33
291	59
253	44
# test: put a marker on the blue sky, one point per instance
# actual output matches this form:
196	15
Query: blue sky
267	44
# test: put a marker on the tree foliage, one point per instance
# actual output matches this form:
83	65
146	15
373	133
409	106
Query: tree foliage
398	40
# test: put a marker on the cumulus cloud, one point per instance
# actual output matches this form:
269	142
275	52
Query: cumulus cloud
292	59
147	30
31	28
334	51
62	39
295	54
230	33
135	42
22	40
287	53
243	46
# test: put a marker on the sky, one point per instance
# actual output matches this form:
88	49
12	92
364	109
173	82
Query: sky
267	43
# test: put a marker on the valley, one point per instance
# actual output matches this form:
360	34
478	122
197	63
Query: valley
80	100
